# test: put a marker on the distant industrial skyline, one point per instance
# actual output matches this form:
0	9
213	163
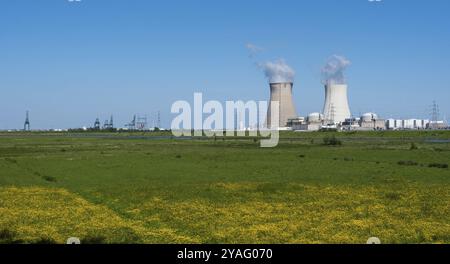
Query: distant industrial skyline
69	63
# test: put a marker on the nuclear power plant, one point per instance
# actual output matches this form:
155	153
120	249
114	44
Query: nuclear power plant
336	112
281	93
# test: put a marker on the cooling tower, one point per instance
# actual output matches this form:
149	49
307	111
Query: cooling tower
282	93
335	109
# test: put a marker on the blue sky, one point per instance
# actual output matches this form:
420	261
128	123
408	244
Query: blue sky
69	63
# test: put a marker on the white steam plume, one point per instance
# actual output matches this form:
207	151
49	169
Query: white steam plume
277	71
333	71
253	49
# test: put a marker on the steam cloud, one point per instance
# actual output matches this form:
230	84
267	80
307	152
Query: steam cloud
333	71
253	49
278	71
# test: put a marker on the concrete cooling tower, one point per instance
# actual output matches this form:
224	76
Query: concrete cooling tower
282	93
335	109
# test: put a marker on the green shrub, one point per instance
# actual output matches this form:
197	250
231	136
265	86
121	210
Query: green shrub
11	160
45	241
328	130
408	163
438	165
49	178
393	196
8	237
332	141
93	239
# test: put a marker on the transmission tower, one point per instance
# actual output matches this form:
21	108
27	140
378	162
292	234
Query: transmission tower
141	123
434	115
332	113
26	126
159	119
111	122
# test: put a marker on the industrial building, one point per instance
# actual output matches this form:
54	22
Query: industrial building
415	124
313	122
438	125
396	124
371	121
317	121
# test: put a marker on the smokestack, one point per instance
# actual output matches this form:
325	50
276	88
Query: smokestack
282	93
335	109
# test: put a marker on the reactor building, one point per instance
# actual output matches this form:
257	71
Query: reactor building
282	93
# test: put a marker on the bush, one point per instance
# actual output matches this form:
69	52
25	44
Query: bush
413	146
393	196
438	165
8	237
332	141
407	163
11	160
328	130
49	178
45	241
95	239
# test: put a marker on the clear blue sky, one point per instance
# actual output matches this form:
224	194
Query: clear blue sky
69	63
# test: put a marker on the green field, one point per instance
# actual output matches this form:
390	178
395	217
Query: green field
119	188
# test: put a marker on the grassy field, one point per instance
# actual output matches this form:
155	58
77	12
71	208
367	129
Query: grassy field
116	188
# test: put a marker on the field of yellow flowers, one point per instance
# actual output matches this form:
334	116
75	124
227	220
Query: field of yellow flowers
164	191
